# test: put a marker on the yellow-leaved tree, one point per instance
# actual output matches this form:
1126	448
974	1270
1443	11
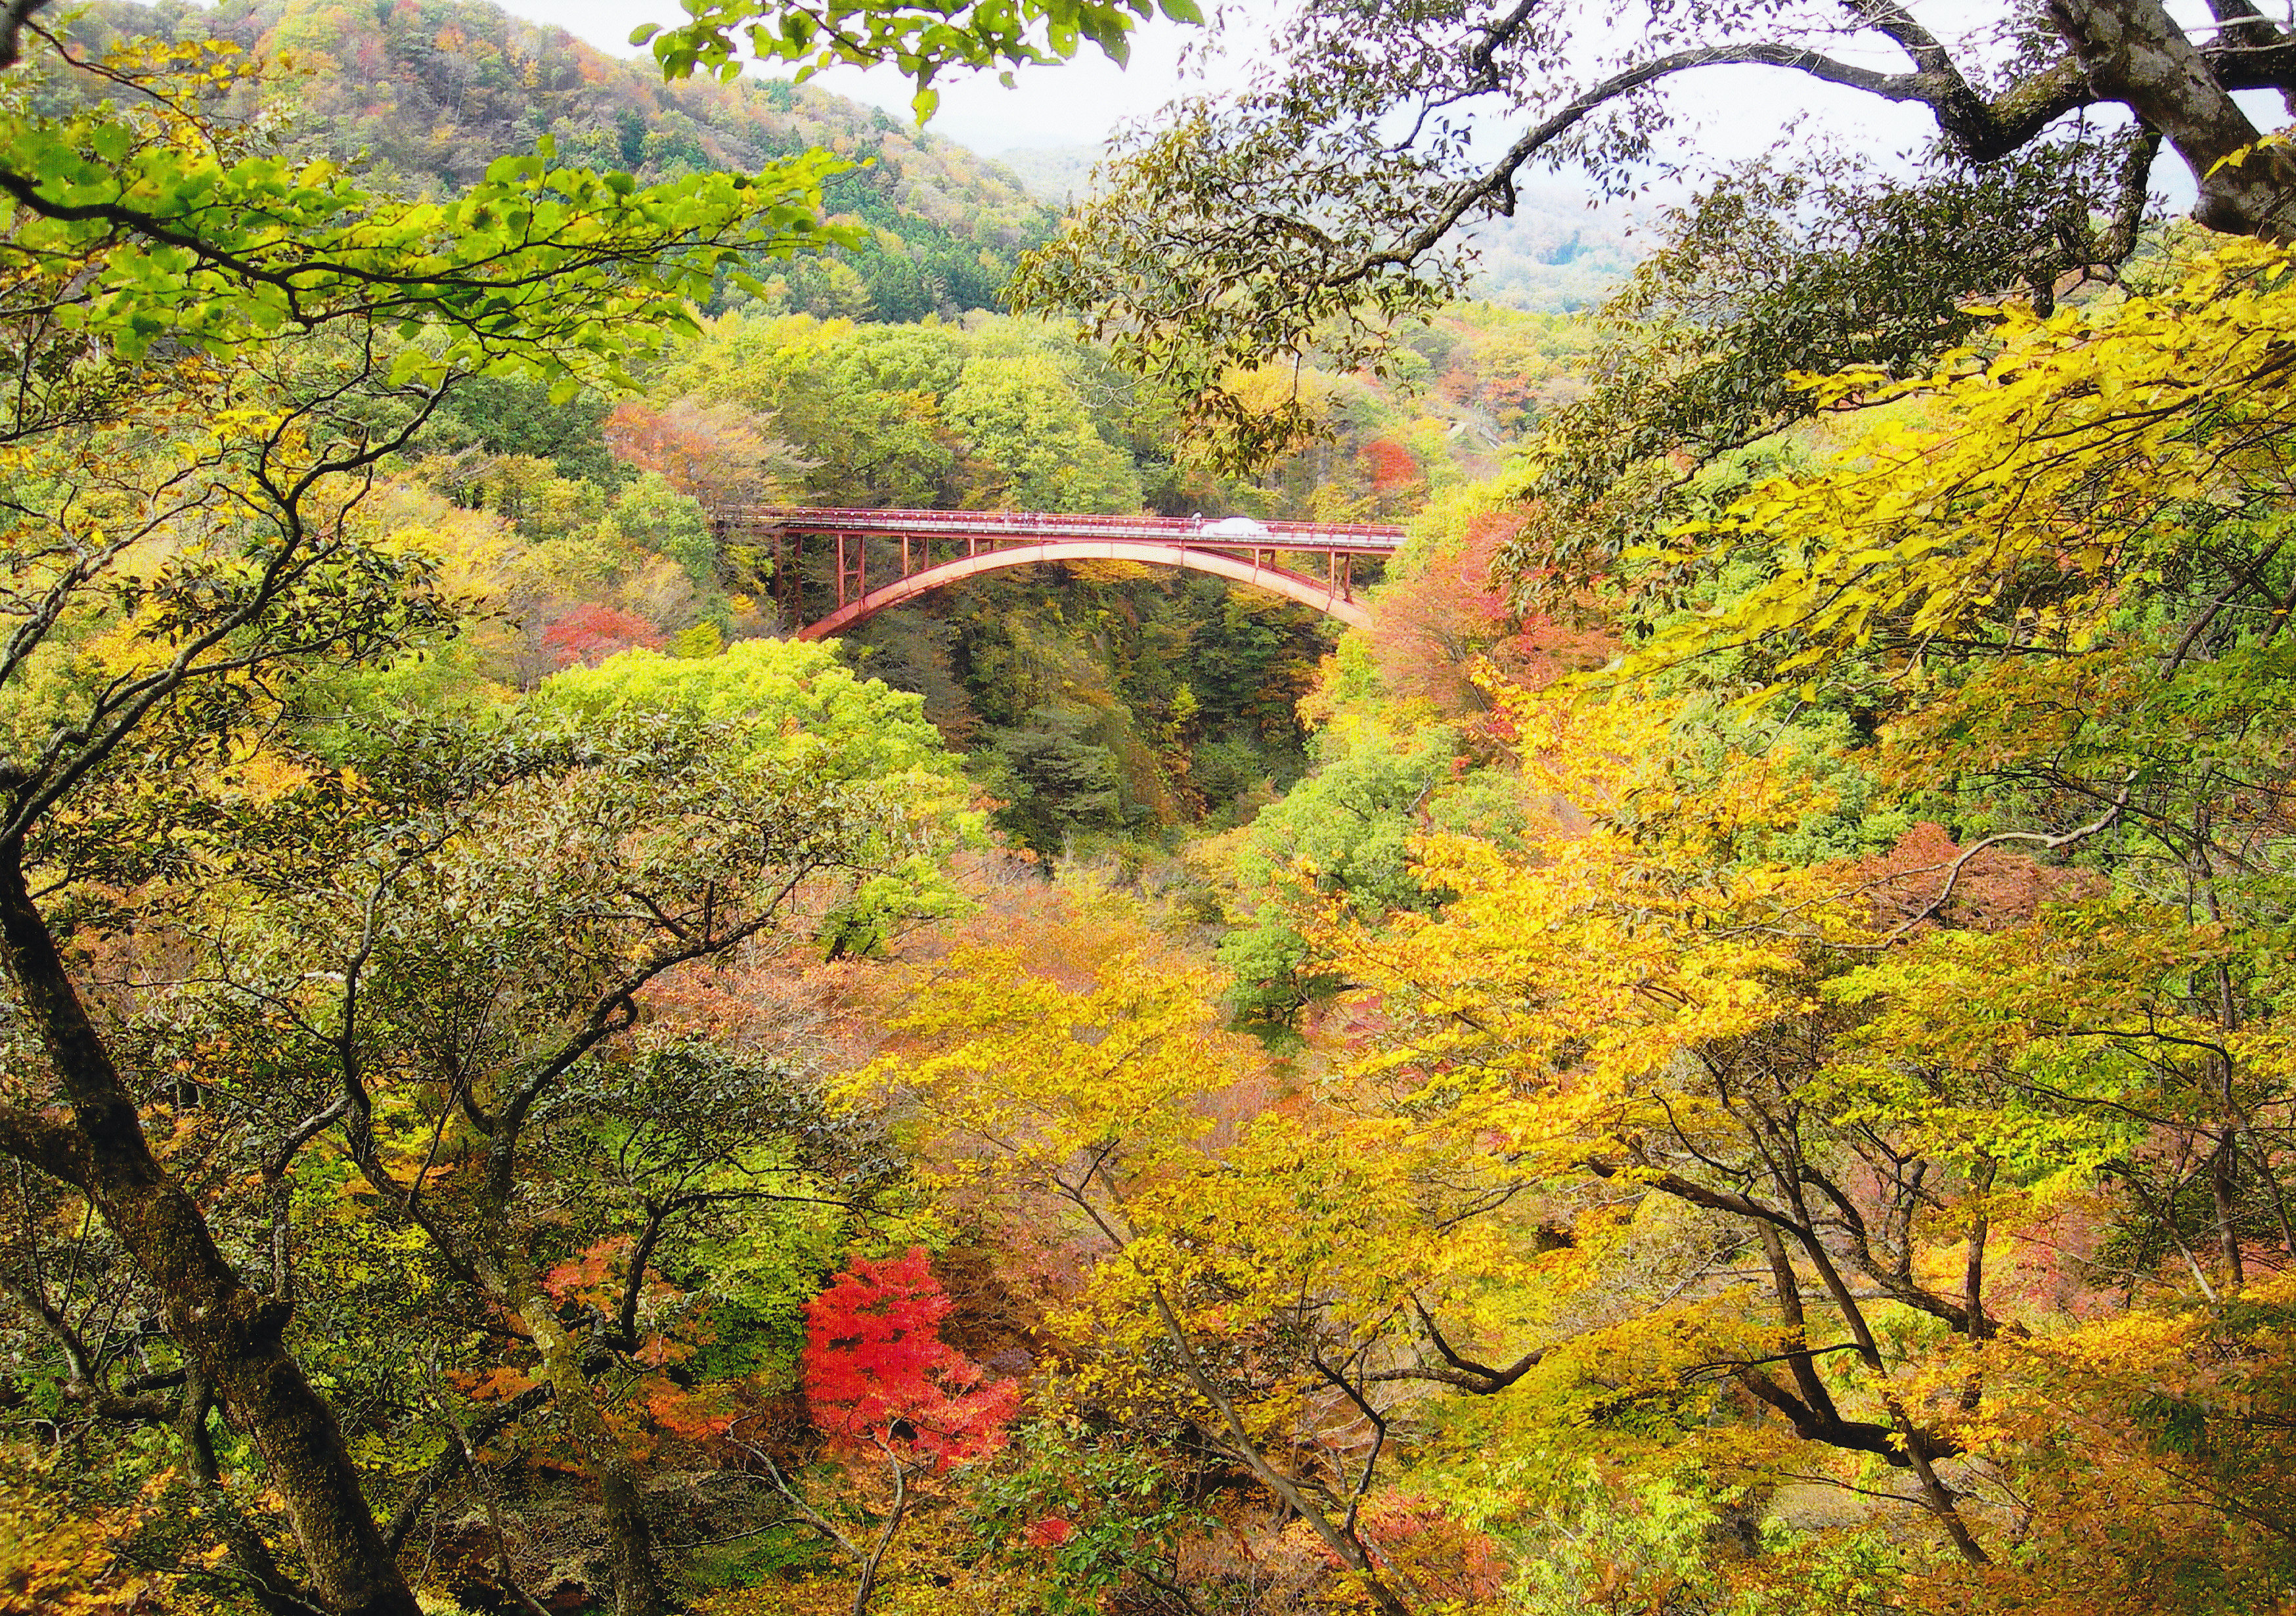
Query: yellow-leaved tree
1249	1258
1941	1160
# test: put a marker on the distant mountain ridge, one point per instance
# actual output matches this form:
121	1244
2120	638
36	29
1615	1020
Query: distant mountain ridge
431	91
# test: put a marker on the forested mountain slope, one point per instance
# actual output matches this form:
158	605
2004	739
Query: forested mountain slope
430	92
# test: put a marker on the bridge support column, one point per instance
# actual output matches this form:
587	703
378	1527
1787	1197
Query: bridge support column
789	576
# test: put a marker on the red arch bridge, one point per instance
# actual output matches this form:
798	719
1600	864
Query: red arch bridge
882	559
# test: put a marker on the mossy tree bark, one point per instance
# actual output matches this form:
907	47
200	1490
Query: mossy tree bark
234	1334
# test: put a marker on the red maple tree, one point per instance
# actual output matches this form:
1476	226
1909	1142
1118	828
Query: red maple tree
877	1372
592	633
1388	464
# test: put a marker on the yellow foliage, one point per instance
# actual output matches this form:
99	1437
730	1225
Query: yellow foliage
2043	482
56	1562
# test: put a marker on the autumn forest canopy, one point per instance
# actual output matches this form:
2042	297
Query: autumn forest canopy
1733	1055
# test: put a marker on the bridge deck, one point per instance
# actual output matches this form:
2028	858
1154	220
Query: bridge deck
1029	527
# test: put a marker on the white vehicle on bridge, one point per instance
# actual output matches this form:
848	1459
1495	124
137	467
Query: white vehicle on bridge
1232	526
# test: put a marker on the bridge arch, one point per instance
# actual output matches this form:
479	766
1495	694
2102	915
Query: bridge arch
1323	596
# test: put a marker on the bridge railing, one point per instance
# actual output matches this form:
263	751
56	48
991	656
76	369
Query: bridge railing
1025	526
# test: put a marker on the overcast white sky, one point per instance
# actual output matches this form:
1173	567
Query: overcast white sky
1079	103
1726	112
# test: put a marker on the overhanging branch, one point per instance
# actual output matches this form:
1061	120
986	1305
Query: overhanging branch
1979	129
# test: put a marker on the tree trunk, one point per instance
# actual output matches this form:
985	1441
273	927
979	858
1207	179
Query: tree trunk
2133	52
233	1335
867	1588
1937	1499
638	1588
2224	1193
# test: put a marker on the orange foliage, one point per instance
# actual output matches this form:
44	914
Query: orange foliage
502	1382
587	1273
55	1561
690	1416
712	451
1388	464
1430	629
1432	1552
1050	1532
1991	889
